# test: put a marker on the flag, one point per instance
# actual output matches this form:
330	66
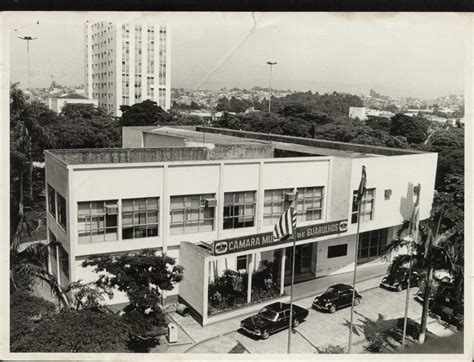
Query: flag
286	225
362	185
415	216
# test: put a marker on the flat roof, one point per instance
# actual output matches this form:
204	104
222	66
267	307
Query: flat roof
205	137
229	145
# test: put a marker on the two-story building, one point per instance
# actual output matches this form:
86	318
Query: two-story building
211	197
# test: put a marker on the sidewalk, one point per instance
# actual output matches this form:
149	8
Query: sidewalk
367	278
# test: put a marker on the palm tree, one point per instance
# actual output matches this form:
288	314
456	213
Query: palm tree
29	264
429	253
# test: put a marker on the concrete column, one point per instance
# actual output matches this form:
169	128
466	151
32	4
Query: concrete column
282	270
250	273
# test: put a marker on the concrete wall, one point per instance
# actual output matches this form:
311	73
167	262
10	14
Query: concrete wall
132	137
399	174
325	266
161	140
194	282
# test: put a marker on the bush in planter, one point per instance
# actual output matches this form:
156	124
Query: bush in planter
413	328
230	287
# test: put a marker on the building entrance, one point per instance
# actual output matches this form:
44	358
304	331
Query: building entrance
305	258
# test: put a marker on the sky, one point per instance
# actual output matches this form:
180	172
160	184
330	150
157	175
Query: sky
410	54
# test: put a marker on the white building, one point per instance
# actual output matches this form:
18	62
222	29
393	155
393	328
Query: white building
211	199
358	112
127	63
57	104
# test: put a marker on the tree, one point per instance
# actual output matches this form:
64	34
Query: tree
428	253
414	129
449	144
146	113
142	276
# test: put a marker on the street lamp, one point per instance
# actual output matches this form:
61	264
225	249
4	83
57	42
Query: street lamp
28	39
271	64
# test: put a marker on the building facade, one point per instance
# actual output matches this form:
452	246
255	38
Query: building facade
211	201
57	104
127	63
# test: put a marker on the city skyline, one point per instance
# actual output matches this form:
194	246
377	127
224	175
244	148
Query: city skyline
419	55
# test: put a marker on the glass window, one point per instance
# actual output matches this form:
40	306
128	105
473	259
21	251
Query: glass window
191	214
63	262
372	244
366	206
239	209
241	262
61	211
309	204
97	221
335	251
140	218
51	201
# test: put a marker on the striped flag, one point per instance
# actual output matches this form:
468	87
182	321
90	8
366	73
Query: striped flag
415	216
362	185
286	225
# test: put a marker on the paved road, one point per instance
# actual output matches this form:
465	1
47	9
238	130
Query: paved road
377	311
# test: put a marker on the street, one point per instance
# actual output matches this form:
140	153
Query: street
377	311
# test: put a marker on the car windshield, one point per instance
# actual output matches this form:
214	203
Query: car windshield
268	314
331	291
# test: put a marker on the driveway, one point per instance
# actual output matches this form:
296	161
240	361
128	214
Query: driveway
377	311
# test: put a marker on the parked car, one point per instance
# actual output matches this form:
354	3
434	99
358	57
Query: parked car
274	317
443	291
336	297
398	280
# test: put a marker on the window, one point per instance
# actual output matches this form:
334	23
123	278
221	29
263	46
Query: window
97	221
51	201
309	204
61	211
53	254
239	209
140	218
335	251
63	262
372	244
366	206
190	214
241	262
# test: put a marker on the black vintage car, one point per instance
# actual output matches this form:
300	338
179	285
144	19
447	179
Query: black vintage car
398	280
274	317
444	292
335	297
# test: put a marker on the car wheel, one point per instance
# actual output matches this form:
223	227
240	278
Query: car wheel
296	323
356	301
399	288
265	334
332	308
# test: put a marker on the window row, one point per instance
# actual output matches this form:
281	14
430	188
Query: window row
98	220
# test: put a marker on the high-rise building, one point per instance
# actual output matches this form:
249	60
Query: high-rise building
127	63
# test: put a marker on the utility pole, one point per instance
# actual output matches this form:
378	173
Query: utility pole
28	39
271	64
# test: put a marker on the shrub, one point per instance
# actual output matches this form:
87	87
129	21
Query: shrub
77	331
375	345
26	311
331	349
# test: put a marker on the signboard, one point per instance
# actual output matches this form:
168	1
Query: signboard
256	241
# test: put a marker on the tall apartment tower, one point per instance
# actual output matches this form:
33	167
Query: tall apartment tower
127	63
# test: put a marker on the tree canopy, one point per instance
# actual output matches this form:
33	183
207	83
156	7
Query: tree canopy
146	113
414	129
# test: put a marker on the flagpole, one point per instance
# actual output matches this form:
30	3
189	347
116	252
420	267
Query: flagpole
290	323
356	254
407	299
